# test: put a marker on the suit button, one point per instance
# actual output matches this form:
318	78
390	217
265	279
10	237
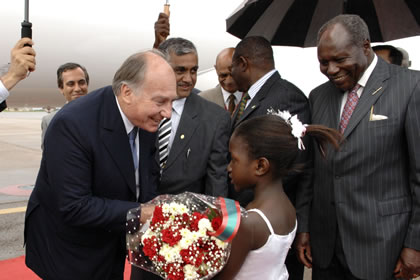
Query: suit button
337	177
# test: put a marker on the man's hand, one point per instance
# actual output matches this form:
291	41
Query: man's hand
303	249
146	212
161	29
22	61
408	265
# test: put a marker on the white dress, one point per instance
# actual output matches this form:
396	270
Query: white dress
267	262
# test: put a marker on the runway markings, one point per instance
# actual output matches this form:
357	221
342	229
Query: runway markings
12	210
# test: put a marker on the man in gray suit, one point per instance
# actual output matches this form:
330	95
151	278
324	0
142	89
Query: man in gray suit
364	218
254	72
73	82
225	94
199	136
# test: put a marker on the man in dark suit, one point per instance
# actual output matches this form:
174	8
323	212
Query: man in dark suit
198	149
95	167
198	141
254	73
22	62
364	219
226	93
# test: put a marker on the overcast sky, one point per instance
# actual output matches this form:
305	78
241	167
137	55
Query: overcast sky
100	34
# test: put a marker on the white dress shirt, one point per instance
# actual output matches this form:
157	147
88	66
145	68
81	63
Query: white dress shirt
226	94
4	93
177	109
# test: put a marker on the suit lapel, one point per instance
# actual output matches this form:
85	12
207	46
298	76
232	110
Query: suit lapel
115	139
374	89
256	101
186	128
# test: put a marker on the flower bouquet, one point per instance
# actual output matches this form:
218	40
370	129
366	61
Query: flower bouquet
187	237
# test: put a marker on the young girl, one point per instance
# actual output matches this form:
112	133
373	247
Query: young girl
263	150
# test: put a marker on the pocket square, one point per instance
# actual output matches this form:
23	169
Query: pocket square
378	117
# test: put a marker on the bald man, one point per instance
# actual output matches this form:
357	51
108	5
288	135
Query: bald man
225	94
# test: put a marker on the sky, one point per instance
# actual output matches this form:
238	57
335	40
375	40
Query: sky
101	34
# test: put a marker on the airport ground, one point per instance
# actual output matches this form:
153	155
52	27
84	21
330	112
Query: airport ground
20	156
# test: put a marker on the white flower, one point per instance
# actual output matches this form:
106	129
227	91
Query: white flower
171	254
148	234
205	224
221	244
190	272
298	129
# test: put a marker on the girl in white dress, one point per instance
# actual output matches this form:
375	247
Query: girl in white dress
263	150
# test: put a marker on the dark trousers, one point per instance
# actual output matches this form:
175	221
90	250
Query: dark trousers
140	274
338	268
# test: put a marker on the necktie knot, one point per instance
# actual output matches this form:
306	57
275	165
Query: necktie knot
133	133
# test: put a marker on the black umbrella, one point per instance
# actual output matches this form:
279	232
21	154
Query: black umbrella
296	22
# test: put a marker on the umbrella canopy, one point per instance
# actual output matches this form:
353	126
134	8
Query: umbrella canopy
296	22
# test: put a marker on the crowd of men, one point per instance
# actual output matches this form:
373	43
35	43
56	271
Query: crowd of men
358	208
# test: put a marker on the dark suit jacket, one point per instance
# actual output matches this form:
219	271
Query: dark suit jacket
198	157
3	106
278	93
75	221
370	189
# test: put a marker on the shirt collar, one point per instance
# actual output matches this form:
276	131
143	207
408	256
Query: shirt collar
366	75
127	124
178	105
226	94
252	91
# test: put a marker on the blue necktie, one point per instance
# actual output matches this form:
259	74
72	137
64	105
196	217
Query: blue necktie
132	137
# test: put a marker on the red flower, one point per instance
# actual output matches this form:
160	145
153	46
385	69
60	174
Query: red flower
158	216
150	247
216	223
171	237
196	218
174	273
186	256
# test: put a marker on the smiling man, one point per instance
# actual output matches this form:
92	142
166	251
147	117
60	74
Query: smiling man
73	82
364	216
98	162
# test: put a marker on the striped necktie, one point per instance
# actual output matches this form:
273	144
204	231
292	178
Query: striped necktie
164	134
241	107
231	105
351	102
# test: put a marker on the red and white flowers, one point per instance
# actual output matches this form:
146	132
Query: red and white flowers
178	243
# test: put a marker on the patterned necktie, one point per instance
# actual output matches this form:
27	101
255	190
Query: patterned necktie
164	134
242	105
132	137
232	105
351	103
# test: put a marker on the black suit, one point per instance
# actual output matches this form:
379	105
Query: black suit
369	190
279	94
75	221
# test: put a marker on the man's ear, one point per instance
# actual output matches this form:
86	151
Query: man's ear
263	166
243	63
126	94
